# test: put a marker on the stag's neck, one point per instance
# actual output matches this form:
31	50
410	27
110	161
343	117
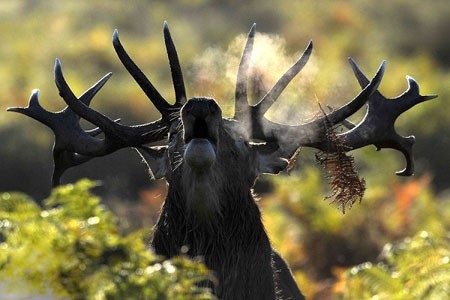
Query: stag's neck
204	215
205	212
202	196
235	246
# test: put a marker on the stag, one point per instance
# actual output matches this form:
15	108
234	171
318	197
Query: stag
211	162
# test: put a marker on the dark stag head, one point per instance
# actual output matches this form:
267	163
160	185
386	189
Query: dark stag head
200	145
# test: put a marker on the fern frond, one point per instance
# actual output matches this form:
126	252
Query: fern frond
419	267
346	185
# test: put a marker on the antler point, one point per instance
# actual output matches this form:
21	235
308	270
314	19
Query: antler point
381	70
252	31
309	47
14	109
166	27
34	98
115	34
413	86
411	80
404	173
429	97
57	67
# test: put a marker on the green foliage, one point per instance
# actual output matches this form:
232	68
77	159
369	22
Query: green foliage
73	247
417	268
320	242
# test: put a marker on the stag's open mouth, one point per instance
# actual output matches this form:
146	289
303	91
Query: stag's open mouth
199	129
201	119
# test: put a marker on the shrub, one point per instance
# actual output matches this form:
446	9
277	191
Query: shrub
416	268
72	249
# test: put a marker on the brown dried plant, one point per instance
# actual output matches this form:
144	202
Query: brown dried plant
346	185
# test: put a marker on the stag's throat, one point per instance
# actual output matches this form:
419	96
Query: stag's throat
202	195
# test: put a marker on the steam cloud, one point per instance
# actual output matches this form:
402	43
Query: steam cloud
214	74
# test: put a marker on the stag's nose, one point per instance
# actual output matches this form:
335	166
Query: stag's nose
200	108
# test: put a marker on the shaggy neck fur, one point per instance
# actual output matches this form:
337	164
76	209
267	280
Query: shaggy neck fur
202	196
221	223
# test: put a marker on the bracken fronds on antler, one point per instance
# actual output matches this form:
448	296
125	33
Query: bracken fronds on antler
293	160
346	186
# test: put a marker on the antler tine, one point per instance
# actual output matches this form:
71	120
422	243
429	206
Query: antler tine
152	93
90	93
175	68
35	110
413	94
79	107
266	102
362	79
241	101
353	106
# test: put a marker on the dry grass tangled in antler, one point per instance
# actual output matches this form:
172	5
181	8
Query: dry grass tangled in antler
346	186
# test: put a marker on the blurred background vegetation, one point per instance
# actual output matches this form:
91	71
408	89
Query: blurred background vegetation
351	256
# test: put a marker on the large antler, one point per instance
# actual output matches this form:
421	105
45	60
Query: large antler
73	145
376	128
160	103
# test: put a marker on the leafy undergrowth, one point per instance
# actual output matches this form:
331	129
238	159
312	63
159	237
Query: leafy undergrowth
397	238
416	268
71	249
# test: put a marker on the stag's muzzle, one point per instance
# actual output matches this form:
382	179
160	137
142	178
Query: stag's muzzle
201	119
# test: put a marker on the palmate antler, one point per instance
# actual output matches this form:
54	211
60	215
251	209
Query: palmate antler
73	145
376	128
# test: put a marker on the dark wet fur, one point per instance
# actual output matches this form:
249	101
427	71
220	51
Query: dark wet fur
232	242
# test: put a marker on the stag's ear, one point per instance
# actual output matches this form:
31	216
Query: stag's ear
267	159
157	160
